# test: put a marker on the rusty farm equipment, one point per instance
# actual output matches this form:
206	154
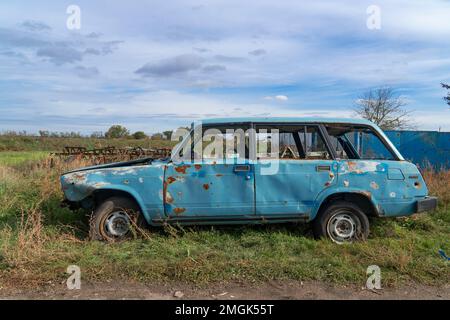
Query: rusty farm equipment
109	154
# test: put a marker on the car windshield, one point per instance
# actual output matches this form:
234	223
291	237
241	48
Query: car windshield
358	142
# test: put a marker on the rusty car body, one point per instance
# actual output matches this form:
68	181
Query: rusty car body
333	172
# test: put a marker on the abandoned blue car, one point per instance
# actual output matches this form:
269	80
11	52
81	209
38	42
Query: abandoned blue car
334	173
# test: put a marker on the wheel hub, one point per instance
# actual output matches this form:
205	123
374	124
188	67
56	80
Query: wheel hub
341	227
117	224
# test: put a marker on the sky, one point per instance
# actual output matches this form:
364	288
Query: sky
157	65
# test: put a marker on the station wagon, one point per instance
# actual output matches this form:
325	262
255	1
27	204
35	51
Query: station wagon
333	173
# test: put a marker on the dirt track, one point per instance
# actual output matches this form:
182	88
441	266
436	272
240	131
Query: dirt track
271	290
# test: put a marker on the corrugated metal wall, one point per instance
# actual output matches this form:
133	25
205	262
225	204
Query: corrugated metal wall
423	147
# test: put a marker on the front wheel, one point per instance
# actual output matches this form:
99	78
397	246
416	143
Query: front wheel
114	219
341	222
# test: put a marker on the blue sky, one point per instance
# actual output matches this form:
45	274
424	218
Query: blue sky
154	65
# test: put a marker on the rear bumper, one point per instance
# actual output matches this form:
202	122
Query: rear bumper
426	204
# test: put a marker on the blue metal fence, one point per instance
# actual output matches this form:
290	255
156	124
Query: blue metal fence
423	147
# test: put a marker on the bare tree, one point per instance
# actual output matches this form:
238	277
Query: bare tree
447	98
383	107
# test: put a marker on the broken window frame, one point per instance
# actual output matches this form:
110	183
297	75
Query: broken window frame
193	138
300	148
322	130
352	149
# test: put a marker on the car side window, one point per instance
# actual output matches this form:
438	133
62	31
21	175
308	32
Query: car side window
290	142
338	147
225	143
315	146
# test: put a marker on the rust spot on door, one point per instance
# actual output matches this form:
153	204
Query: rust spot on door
182	169
197	167
179	210
171	180
353	167
219	175
206	186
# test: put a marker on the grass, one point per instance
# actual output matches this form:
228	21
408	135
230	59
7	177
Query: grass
38	240
14	158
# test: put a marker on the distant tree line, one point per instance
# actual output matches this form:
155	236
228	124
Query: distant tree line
114	132
45	133
118	131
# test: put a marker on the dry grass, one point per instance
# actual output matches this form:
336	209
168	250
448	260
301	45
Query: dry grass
438	183
25	242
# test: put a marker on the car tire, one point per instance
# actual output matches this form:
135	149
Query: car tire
116	219
341	222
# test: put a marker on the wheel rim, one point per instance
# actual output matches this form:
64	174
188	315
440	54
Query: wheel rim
117	224
343	227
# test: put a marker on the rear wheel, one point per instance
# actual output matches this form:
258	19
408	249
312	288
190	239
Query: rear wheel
115	219
341	222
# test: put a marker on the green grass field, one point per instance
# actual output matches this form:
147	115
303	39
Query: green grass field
15	158
38	240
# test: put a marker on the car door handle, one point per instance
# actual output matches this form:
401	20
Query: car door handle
241	168
323	168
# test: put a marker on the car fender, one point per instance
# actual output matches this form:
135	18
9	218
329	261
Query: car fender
130	191
342	190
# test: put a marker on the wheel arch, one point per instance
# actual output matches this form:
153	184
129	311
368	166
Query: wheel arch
362	199
101	194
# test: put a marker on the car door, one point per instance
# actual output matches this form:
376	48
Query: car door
302	167
217	186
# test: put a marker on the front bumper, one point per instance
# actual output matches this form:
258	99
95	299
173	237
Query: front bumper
70	204
426	204
87	203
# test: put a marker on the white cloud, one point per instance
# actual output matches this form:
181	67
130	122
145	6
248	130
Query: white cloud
278	97
281	98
